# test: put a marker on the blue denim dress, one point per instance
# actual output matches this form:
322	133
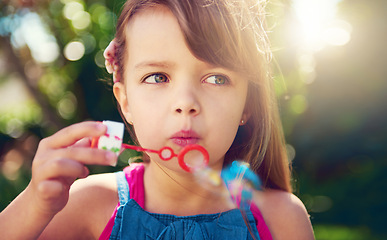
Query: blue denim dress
133	222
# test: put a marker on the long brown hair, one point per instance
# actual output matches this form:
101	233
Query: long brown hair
231	34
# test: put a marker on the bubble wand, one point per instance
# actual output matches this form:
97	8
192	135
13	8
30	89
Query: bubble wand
112	141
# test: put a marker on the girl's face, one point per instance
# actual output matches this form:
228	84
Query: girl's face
173	98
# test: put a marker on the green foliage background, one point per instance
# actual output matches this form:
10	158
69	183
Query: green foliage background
335	125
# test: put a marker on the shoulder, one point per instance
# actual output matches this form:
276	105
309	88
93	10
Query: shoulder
91	203
95	184
284	214
96	196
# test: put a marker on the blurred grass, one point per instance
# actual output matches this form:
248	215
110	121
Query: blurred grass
340	232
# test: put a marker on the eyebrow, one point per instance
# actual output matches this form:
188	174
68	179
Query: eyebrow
155	64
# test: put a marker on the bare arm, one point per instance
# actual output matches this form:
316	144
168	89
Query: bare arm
285	215
58	162
22	212
91	203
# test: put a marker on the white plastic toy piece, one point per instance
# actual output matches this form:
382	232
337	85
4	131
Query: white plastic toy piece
112	140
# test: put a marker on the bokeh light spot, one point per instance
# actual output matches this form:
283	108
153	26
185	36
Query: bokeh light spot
318	25
99	59
67	106
81	20
106	20
71	9
14	128
34	32
89	42
291	152
74	51
12	162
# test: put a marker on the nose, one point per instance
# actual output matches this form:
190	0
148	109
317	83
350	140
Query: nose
186	101
190	111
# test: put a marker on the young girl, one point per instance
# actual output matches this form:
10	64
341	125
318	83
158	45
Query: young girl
185	72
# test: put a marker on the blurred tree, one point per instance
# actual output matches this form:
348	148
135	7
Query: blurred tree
51	75
332	101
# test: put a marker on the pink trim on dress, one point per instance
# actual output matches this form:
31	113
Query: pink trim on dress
135	178
263	230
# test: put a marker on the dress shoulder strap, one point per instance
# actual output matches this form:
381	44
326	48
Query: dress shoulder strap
111	229
122	188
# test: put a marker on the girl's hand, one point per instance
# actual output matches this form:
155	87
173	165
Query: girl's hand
60	160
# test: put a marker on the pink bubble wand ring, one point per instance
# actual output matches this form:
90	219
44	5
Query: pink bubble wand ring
167	153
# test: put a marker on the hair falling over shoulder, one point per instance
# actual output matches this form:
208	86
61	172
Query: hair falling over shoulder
231	34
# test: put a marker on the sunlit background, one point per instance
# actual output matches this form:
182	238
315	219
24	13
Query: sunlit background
330	71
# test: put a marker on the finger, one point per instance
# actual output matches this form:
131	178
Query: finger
70	135
86	156
86	172
84	142
51	189
54	193
62	169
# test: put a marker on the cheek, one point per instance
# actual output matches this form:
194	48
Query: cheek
147	121
224	126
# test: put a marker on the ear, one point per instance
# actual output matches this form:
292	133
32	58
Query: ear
245	117
120	95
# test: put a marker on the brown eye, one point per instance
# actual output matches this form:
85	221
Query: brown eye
156	78
217	79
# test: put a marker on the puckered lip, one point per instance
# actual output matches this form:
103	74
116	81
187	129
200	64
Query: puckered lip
185	137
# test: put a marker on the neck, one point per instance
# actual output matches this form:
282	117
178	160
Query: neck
180	194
